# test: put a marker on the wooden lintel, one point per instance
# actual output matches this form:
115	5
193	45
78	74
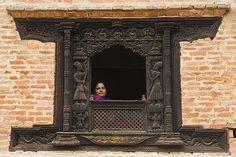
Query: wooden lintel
119	13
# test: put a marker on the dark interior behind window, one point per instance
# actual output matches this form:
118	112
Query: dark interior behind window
123	72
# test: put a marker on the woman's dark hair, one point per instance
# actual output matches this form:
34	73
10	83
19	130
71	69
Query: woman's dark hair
97	84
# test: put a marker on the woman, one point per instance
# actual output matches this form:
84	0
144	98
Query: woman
100	92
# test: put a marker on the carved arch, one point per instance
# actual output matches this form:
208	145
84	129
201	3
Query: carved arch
144	41
134	48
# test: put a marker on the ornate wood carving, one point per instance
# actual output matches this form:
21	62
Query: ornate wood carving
80	76
197	136
36	139
75	115
167	80
118	115
154	75
67	53
31	138
80	116
155	94
191	31
90	41
65	140
37	30
116	139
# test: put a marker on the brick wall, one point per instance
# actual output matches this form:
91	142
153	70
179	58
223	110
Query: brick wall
208	77
208	68
26	80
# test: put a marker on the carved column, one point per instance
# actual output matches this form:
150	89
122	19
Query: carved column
167	79
67	54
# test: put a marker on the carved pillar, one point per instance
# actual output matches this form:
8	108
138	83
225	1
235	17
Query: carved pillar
155	93
167	79
81	79
67	54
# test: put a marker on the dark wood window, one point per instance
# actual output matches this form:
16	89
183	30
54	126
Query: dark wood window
134	57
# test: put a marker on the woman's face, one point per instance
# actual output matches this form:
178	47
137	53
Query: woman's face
101	89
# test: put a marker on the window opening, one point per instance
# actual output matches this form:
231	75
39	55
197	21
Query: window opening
122	71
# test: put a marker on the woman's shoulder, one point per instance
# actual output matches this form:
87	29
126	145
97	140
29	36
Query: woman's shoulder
97	97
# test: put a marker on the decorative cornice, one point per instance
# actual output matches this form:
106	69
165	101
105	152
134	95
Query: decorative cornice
188	11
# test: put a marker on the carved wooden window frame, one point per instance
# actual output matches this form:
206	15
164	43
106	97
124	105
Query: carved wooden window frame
155	39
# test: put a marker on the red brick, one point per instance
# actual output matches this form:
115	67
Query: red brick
198	58
224	114
191	115
4	132
17	62
203	78
221	109
200	120
39	86
35	113
25	107
9	37
29	97
6	107
189	48
49	113
187	110
188	100
8	101
200	110
43	108
218	78
18	67
203	68
38	72
186	58
17	113
197	53
217	126
47	119
209	82
13	77
208	104
2	96
205	87
22	118
9	118
34	62
28	102
25	72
